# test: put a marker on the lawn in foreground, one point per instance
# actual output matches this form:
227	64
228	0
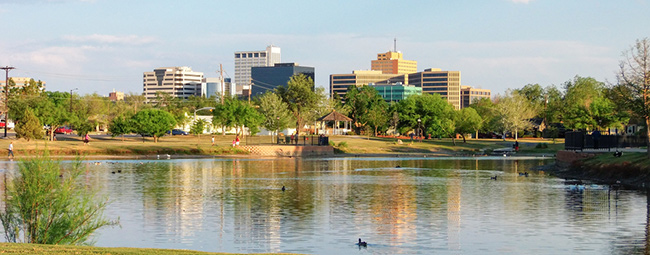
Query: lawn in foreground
15	248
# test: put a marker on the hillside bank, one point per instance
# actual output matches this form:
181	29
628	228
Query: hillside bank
632	169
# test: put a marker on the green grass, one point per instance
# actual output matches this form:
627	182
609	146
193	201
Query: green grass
387	145
201	145
630	158
13	248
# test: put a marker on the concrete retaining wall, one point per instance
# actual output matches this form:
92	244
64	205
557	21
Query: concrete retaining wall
288	150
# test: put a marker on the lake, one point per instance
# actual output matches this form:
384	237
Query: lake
397	205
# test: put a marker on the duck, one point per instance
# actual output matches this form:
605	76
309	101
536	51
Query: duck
493	177
362	244
283	188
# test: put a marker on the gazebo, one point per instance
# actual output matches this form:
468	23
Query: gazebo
336	117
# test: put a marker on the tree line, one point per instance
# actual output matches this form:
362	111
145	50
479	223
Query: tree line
581	103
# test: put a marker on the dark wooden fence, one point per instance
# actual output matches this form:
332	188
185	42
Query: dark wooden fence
579	140
287	140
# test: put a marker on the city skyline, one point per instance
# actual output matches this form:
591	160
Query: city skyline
100	45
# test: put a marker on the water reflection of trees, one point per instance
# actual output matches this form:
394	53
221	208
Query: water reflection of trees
420	201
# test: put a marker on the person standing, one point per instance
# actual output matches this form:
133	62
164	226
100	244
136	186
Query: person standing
212	140
86	139
11	150
237	140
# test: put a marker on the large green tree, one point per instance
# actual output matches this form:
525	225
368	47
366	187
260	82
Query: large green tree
366	107
153	122
30	127
276	113
467	121
120	126
435	115
301	97
634	82
515	112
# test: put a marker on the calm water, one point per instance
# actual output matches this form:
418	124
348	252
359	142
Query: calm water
426	206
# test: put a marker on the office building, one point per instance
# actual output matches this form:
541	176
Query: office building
116	96
212	87
339	83
435	81
397	92
267	78
19	82
469	95
179	82
245	60
392	63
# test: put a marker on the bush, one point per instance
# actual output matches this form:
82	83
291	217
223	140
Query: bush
46	204
541	146
343	145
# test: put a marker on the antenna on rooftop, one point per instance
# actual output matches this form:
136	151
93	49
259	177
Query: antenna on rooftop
395	44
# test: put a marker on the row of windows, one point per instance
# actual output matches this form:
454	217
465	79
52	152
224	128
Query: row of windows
434	79
344	77
342	82
435	75
340	86
435	89
251	55
434	84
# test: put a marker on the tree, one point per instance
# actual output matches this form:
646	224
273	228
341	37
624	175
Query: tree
515	112
488	112
120	125
198	127
300	97
434	113
634	82
29	127
48	205
467	121
580	93
56	111
153	122
366	107
276	113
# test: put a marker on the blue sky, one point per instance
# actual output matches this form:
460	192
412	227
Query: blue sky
101	45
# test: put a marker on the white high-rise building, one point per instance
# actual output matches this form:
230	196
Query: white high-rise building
245	60
179	82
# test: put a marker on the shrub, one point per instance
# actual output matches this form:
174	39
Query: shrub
47	205
541	146
343	145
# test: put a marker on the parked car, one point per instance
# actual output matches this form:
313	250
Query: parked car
10	125
63	130
177	132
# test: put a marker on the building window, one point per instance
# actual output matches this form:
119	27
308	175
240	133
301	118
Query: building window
236	55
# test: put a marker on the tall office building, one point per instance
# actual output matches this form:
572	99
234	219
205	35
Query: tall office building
392	63
436	81
469	95
339	83
212	87
245	60
267	78
179	82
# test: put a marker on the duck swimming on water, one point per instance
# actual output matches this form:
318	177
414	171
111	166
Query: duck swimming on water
362	244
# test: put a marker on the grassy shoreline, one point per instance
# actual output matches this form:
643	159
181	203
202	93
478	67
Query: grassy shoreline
201	146
20	248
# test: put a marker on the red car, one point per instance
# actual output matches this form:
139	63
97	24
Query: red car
63	130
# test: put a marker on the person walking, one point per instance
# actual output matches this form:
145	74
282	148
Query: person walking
212	140
11	150
237	140
86	139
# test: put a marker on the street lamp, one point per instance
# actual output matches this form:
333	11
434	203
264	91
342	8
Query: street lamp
419	129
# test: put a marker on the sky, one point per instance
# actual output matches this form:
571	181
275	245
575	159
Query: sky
97	46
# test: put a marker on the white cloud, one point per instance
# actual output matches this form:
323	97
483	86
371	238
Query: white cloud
111	39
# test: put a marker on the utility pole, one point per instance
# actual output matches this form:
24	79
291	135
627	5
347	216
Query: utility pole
7	68
223	85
